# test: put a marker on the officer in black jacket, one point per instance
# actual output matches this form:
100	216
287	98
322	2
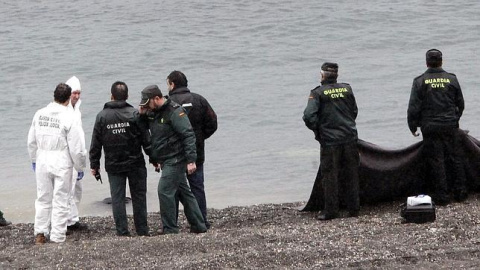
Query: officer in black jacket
173	148
204	123
117	130
436	105
331	112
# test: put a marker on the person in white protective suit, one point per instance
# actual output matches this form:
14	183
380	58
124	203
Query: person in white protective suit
73	222
56	146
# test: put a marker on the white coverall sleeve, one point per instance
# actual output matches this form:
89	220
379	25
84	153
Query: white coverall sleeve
76	146
32	141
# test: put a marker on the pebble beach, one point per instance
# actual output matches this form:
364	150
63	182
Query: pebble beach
266	236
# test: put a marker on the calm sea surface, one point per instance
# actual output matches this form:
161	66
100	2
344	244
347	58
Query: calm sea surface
255	61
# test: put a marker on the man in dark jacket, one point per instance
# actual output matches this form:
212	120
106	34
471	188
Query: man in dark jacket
436	105
331	112
173	148
117	130
204	123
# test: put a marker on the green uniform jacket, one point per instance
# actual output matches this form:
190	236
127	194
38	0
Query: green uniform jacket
172	136
436	101
331	112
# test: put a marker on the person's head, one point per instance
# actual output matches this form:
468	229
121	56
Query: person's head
152	97
329	71
119	91
74	83
62	93
176	79
433	58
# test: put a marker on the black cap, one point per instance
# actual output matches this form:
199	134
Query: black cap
433	54
149	92
330	67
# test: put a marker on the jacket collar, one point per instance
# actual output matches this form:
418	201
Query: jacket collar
329	81
179	90
55	106
434	70
115	104
161	108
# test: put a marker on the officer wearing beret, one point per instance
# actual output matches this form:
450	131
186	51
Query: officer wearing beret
330	113
174	150
436	105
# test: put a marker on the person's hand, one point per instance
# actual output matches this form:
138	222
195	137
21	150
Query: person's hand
414	132
96	174
34	166
80	175
191	167
157	166
142	109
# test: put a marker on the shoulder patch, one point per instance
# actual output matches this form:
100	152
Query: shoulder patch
181	114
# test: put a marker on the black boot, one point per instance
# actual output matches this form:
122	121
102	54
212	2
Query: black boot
326	216
461	196
353	213
3	222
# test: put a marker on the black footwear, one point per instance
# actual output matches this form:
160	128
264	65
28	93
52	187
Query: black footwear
4	222
326	216
124	234
77	227
164	232
461	196
197	231
441	198
442	202
354	213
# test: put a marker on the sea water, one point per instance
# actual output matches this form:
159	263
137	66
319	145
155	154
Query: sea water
255	62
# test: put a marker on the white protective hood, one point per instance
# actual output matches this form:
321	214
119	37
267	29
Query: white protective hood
74	83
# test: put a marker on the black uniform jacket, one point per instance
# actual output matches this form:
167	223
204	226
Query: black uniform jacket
436	101
331	112
117	129
172	136
201	115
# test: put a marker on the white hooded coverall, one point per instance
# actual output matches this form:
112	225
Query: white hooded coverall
77	187
55	144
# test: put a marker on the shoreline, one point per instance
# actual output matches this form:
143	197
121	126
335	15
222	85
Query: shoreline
264	236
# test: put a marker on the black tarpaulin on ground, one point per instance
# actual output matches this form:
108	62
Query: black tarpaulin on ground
388	175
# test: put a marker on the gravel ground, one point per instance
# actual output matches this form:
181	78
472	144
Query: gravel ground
274	236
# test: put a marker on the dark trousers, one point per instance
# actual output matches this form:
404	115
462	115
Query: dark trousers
137	181
335	161
196	181
173	186
442	145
